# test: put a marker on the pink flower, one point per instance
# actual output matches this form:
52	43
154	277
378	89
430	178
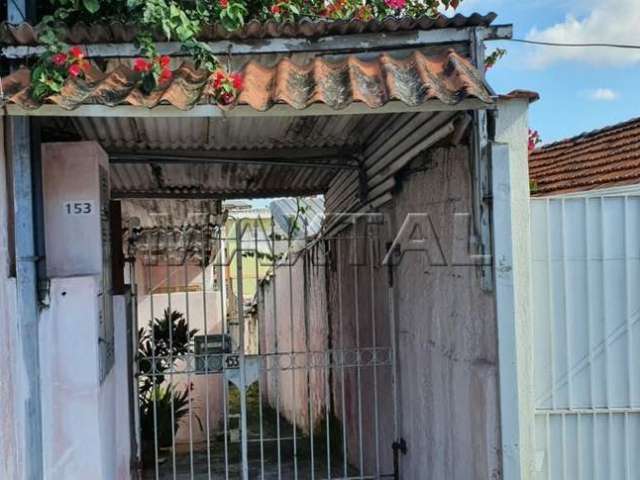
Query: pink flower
75	70
396	4
59	59
276	10
223	3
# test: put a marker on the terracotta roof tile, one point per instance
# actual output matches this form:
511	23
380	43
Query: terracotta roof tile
598	159
118	32
414	80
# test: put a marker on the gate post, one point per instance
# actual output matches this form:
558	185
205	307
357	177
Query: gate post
27	297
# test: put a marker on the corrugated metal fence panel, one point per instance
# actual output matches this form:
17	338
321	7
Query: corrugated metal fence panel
586	294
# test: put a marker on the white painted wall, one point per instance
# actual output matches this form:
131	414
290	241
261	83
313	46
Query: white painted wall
510	172
586	279
85	423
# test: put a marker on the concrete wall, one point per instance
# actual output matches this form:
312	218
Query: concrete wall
447	358
447	338
285	326
11	380
513	282
81	418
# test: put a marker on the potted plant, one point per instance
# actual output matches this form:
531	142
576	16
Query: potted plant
162	404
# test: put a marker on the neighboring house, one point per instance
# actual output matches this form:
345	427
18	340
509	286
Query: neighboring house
602	160
585	236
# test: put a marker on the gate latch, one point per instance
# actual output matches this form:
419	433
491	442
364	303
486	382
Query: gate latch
399	447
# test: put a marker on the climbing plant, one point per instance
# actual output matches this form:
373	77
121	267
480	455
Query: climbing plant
182	21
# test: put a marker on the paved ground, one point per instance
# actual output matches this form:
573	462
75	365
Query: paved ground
264	463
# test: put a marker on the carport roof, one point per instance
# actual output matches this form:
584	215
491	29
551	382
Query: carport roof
415	80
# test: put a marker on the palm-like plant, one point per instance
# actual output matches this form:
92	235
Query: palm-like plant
162	405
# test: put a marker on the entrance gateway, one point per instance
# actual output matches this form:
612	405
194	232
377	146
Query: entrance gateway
265	383
296	360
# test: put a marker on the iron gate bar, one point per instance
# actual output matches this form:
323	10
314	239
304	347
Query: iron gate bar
154	367
189	340
225	329
243	381
356	287
171	360
341	329
374	345
276	346
293	372
260	377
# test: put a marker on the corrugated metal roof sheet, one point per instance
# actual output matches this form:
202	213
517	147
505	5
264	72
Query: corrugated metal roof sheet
216	181
118	32
137	134
593	160
445	77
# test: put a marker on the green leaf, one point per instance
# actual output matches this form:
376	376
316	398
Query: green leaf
91	5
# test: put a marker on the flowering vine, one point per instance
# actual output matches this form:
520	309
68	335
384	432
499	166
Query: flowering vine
182	21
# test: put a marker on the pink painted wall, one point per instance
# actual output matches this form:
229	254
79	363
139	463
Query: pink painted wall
204	315
284	330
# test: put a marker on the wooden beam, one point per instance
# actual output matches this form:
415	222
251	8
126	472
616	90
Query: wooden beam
338	44
280	110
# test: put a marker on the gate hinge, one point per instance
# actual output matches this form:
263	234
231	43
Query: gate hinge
399	447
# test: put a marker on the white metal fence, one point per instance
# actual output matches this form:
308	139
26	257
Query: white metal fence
586	307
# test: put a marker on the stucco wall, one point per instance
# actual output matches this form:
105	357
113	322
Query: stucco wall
297	330
447	338
11	385
448	407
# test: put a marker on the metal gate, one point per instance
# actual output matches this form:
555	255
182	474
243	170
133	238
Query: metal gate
248	365
586	279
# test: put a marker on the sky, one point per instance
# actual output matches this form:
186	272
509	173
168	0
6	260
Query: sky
581	89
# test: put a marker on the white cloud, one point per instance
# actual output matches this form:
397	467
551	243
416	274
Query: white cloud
607	21
602	95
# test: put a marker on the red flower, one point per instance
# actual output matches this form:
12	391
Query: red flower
166	75
226	98
237	80
218	79
84	66
223	3
59	59
75	70
164	61
76	52
140	65
276	10
396	4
